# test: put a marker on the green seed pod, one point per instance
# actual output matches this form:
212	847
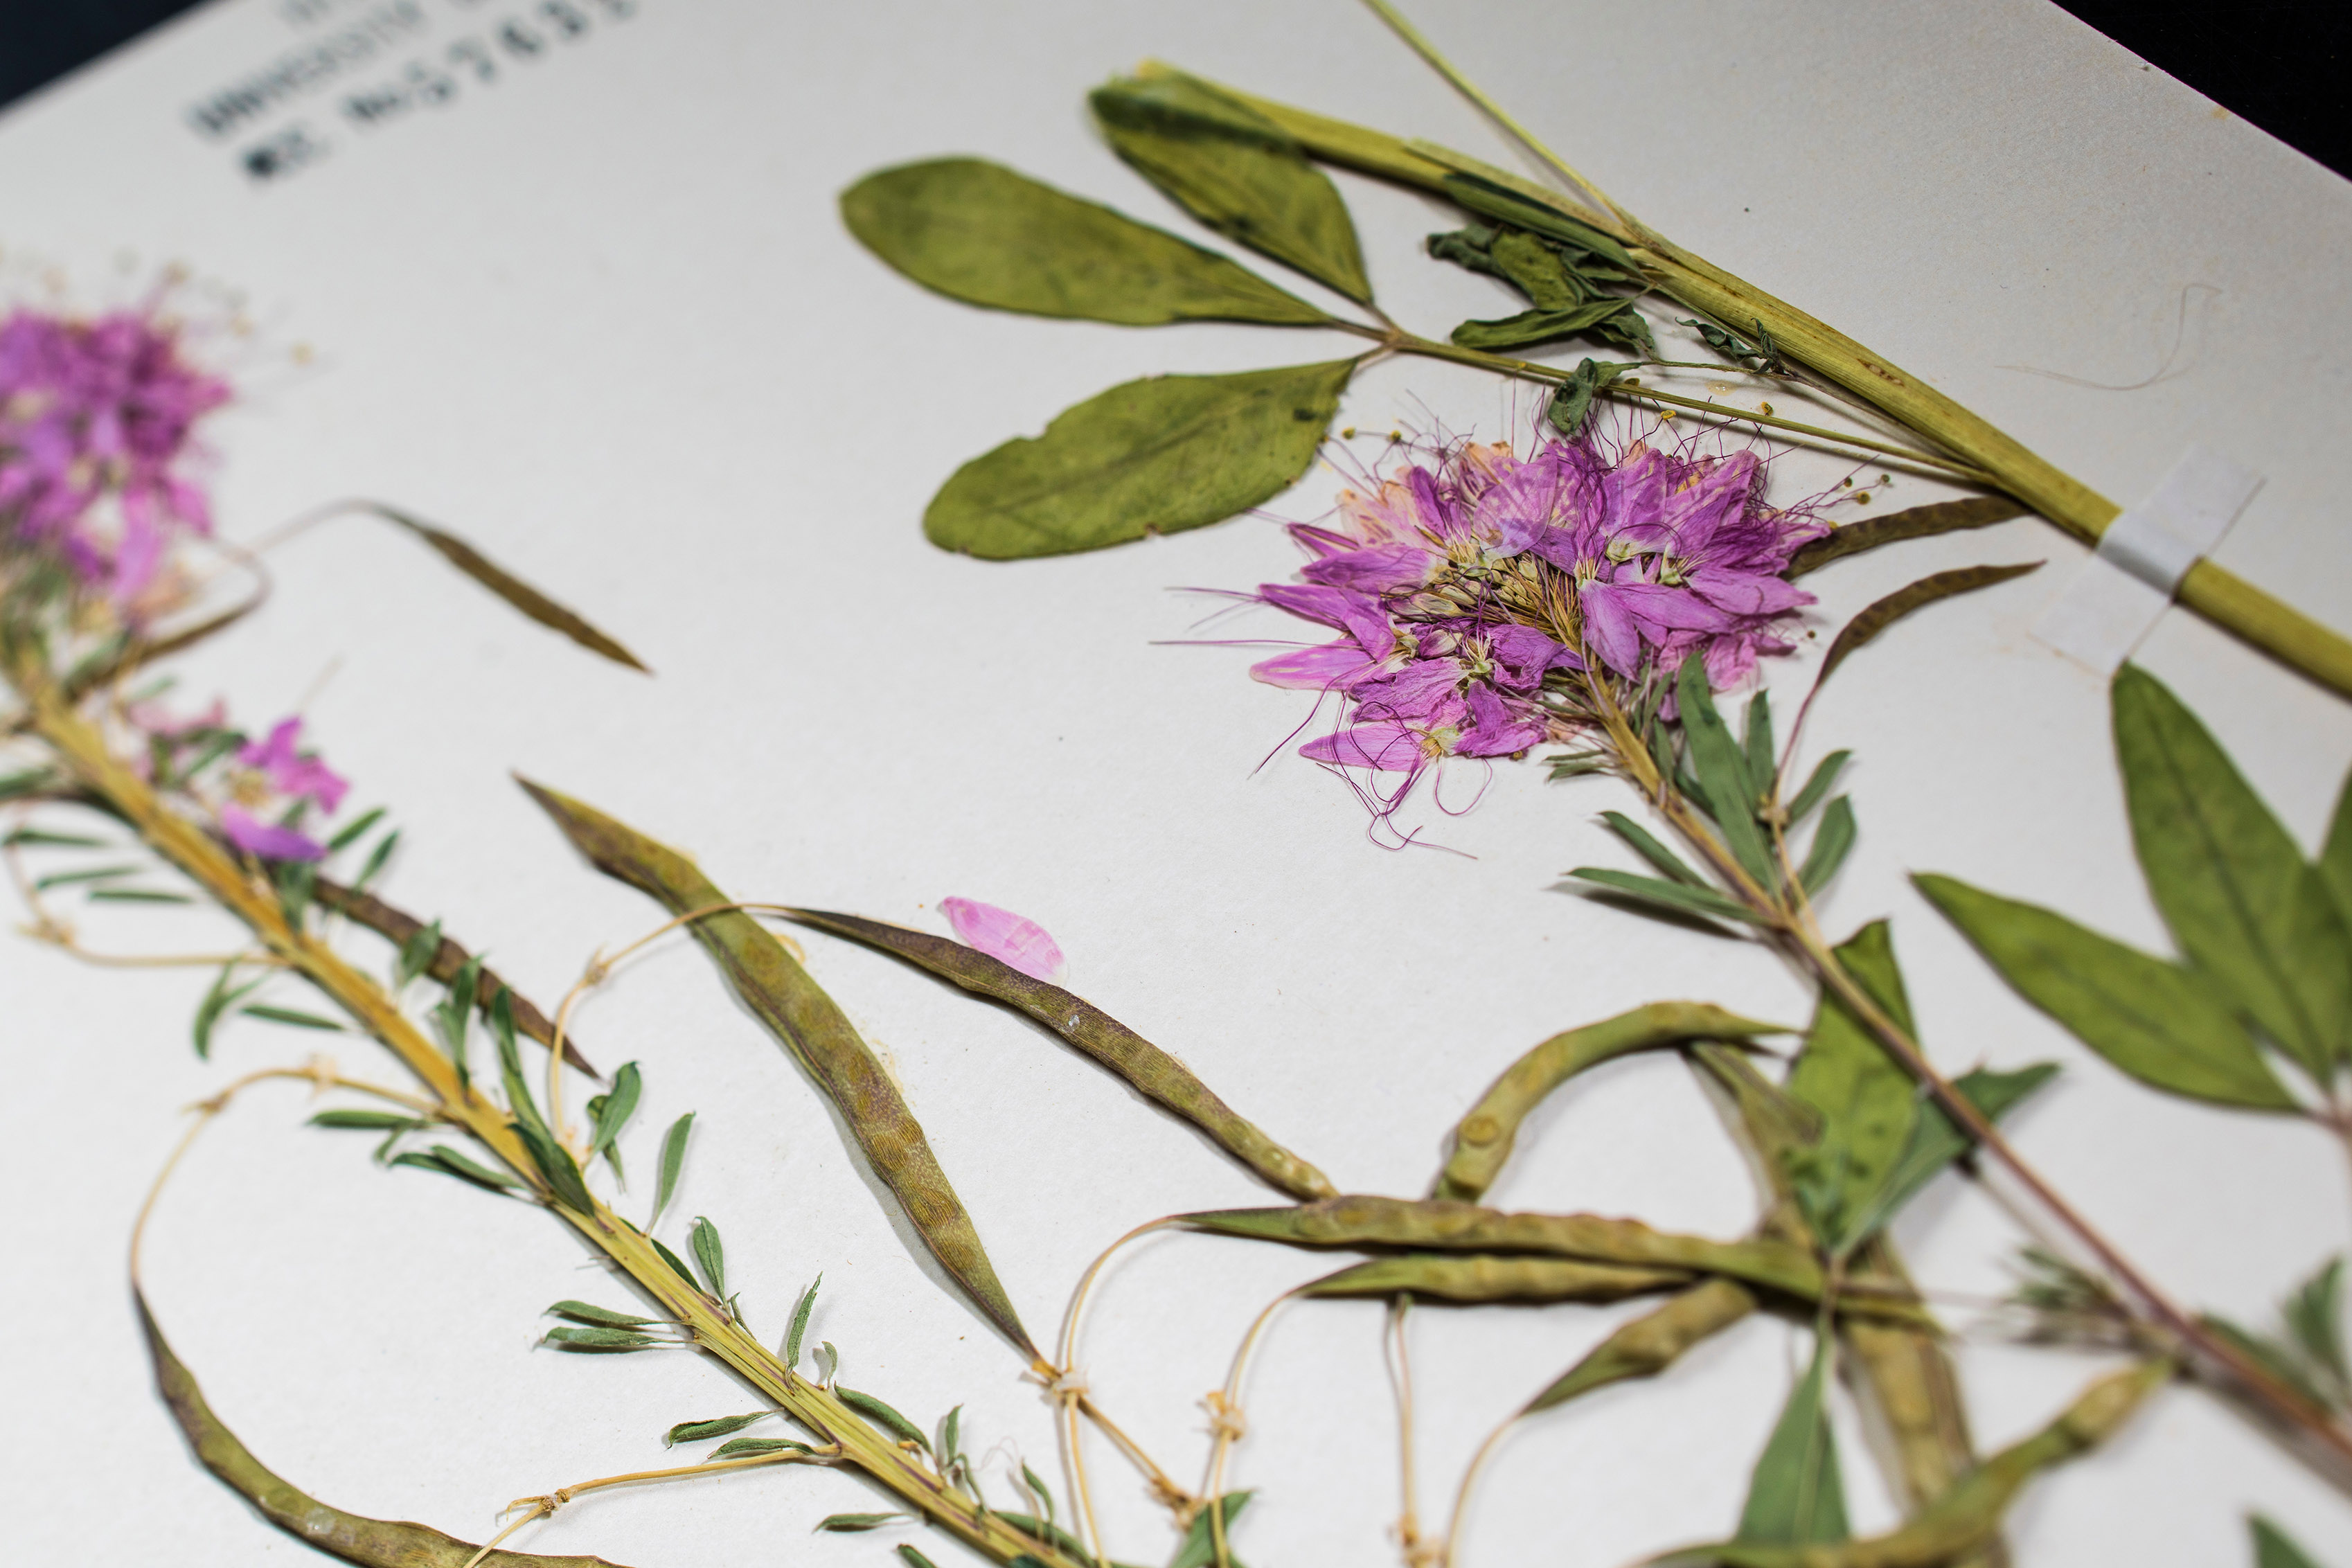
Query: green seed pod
1480	1278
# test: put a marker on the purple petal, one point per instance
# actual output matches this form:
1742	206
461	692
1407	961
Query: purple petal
1495	731
1003	935
265	840
1314	668
1358	614
1414	694
1390	748
1747	592
1383	568
1609	626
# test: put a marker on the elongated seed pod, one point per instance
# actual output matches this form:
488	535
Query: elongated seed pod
1966	1518
373	1542
1481	1278
1910	1385
1150	1070
1438	1225
797	1011
1651	1343
1482	1139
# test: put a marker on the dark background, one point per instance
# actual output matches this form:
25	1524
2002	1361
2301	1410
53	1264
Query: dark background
2278	63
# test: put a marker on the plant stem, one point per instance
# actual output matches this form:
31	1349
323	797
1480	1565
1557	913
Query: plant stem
248	895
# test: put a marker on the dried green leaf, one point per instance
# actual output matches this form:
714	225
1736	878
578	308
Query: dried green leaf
454	1015
1571	406
556	1165
2335	855
136	896
1756	746
913	1558
1778	1131
2230	881
25	781
601	1317
851	1522
1653	1342
1833	842
416	955
380	856
1480	1278
36	837
355	830
1824	777
370	1542
612	1110
450	1162
1722	769
568	1337
801	1310
367	1120
1538	270
2280	1361
797	1011
1903	1372
506	586
1796	1494
1893	528
1649	849
218	1000
755	1447
1490	200
2315	1320
93	874
883	1415
1676	896
676	1264
1967	1517
1483	1140
1529	328
1157	456
1111	1043
2274	1547
977	232
1867	1102
1199	1547
1884	613
827	1362
292	1016
2156	1021
1235	171
673	1160
949	1431
709	1254
698	1431
1435	1225
1937	1141
295	880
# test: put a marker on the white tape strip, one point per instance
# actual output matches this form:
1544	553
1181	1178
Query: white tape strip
2105	610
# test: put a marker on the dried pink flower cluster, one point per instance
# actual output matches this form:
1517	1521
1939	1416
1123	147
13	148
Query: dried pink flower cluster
275	775
1460	586
97	410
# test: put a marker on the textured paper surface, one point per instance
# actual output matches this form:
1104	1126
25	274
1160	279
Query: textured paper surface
599	317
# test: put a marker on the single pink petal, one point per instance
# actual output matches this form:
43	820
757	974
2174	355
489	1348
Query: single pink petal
1390	748
268	840
1004	936
1315	669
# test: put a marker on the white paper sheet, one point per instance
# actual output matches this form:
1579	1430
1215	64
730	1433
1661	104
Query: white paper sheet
597	314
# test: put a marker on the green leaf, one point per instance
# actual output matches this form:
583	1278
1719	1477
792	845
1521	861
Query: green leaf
1649	849
1863	629
2229	881
218	1000
1571	406
450	1162
1867	1103
566	1337
416	955
2274	1547
502	1033
801	1310
709	1254
1649	1344
1157	456
367	1120
2336	857
913	1558
676	1264
1891	528
949	1424
883	1415
296	880
555	1164
1796	1495
454	1015
2156	1021
32	837
1538	270
1824	777
355	830
95	874
673	1160
1722	770
25	781
602	1317
517	593
1199	1547
1756	742
136	896
1237	172
1671	896
2314	1319
848	1522
755	1447
698	1431
1833	842
290	1016
614	1110
1935	1141
1038	1489
827	1362
1490	200
376	861
1541	326
977	232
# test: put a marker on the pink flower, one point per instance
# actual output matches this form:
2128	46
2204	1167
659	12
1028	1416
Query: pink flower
295	774
265	840
1003	935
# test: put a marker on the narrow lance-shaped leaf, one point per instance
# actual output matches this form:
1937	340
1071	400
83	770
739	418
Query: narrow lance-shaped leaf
1756	746
977	232
2336	856
1651	1343
356	829
1157	456
294	1018
448	1162
2314	1317
379	857
218	1000
508	587
454	1016
2274	1547
1817	785
1867	1103
1646	844
709	1255
1722	770
850	1524
798	1011
617	1107
2156	1021
1796	1494
1676	898
2229	881
702	1431
372	1542
883	1415
1833	842
1105	1040
1894	527
758	1447
1235	171
1483	1140
569	1337
801	1310
1936	1141
1199	1547
673	1160
1865	627
1612	319
366	1120
599	1317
